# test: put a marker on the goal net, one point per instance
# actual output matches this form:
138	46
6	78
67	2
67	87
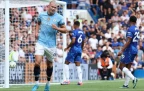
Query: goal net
23	17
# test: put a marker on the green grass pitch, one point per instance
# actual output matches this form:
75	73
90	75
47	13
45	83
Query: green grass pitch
95	85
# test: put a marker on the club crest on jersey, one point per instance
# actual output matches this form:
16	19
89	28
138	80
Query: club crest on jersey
48	19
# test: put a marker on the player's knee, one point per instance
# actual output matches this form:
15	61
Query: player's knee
49	64
77	63
37	64
67	62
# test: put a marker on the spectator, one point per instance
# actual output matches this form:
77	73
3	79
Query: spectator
140	54
98	52
105	65
93	42
14	55
59	58
85	56
2	51
107	47
102	41
22	56
31	56
69	26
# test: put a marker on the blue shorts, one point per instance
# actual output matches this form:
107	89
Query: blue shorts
74	56
127	57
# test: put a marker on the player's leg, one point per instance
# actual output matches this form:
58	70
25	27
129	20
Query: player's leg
69	58
127	78
121	66
49	53
78	67
66	73
66	70
39	51
128	59
49	70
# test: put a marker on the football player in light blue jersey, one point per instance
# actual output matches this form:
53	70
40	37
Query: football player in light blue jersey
74	54
46	29
129	52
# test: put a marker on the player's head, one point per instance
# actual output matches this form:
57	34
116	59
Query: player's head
52	7
133	19
76	24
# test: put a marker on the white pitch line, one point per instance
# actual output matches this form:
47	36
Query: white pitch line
85	82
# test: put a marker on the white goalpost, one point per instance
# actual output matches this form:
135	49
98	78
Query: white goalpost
17	26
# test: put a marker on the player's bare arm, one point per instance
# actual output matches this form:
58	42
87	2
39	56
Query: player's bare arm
83	42
61	29
125	46
37	29
70	45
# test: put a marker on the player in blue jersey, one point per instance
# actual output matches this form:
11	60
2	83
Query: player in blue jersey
46	29
129	52
74	54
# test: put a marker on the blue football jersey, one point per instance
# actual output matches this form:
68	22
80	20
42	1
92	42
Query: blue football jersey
47	35
80	36
133	33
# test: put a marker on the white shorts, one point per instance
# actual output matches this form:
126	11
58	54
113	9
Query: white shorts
50	53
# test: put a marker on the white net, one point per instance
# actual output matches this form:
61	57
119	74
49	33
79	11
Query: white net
23	19
2	48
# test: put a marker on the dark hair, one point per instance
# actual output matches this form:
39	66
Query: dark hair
77	23
105	54
133	19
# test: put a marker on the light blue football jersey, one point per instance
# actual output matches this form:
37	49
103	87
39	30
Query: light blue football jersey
47	35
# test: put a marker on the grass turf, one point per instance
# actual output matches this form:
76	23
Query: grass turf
95	85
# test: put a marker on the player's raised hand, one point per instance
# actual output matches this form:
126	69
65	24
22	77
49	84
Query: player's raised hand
54	26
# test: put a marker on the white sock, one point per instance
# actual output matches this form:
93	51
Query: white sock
127	79
37	82
48	82
79	73
64	76
128	73
66	71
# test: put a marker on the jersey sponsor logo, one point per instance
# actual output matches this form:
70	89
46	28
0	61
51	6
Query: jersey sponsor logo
54	20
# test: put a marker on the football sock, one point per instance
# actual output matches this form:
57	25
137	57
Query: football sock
127	79
37	73
49	73
37	82
79	73
128	73
66	71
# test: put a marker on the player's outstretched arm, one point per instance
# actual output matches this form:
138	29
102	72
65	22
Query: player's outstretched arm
125	46
61	29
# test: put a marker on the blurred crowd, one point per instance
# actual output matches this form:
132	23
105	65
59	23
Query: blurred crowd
107	33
